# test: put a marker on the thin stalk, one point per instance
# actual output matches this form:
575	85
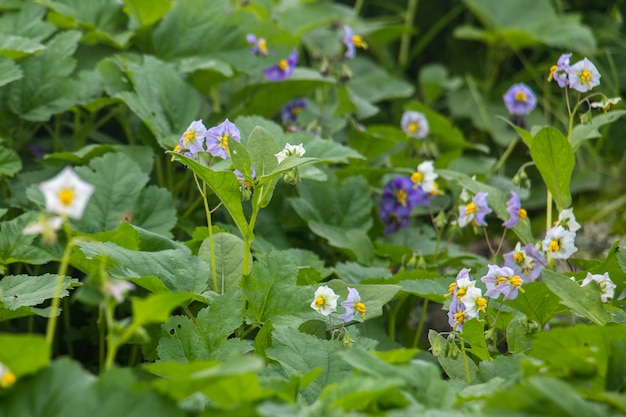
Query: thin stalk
56	297
403	56
358	5
102	337
465	362
420	325
207	211
506	154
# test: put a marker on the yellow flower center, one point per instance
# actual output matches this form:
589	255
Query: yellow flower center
7	379
358	41
262	45
471	208
188	136
516	281
417	177
553	68
585	77
436	190
461	293
401	196
283	65
360	307
412	127
500	280
176	149
518	257
522	214
554	246
451	287
66	196
320	301
481	303
459	317
296	111
520	96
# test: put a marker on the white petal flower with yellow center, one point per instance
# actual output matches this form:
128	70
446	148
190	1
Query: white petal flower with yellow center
66	194
325	301
290	150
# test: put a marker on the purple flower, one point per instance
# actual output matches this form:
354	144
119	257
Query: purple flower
414	124
583	76
283	69
475	211
193	140
259	45
352	42
560	71
217	138
398	199
519	99
502	281
526	262
353	306
291	110
515	210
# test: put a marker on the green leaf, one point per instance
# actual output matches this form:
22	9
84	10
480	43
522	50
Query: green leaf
356	242
146	12
26	20
15	47
228	250
586	131
156	308
537	302
23	290
474	334
362	393
10	162
323	149
155	211
23	353
226	187
18	247
373	84
298	353
354	273
425	284
263	149
554	158
9	71
270	289
583	300
208	337
516	335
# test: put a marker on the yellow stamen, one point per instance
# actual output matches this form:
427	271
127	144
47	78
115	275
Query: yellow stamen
176	149
459	317
319	301
360	307
401	196
358	41
481	303
7	379
553	69
470	208
554	246
451	287
461	293
283	65
518	258
521	96
500	280
436	190
296	111
516	281
585	77
262	45
188	136
417	177
412	127
66	196
224	143
522	214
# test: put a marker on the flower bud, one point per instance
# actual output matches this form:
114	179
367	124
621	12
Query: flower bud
292	176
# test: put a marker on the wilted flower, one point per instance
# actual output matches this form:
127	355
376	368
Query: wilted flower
193	140
568	220
525	261
217	138
604	281
325	301
502	280
289	150
560	71
606	103
259	45
519	99
415	124
353	306
283	69
583	76
291	110
425	177
7	377
117	288
66	194
559	243
352	41
475	211
515	210
46	227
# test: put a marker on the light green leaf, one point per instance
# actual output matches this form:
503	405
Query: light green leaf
27	20
146	12
15	47
585	131
354	241
583	300
354	273
9	71
10	162
155	211
425	284
350	102
362	393
537	302
474	334
18	247
23	353
156	308
23	290
263	149
228	250
323	149
554	158
372	83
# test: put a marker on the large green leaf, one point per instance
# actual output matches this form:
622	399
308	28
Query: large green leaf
590	130
537	302
228	252
208	337
15	47
9	71
26	20
583	300
155	211
554	158
23	353
18	247
147	12
373	84
23	290
10	162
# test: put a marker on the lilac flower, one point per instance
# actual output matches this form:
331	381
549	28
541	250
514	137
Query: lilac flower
515	210
414	124
560	71
559	243
353	306
583	76
519	99
352	42
525	261
475	211
466	302
259	45
193	140
502	281
291	110
283	69
604	281
398	199
217	138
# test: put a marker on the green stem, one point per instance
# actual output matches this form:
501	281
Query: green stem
358	4
420	325
56	297
102	336
207	211
403	57
111	340
506	154
465	362
393	312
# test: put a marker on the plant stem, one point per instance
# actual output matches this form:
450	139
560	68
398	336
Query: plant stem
56	297
207	211
403	57
420	325
465	362
358	4
506	154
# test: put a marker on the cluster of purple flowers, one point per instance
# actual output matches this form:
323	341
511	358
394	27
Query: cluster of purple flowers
197	138
581	76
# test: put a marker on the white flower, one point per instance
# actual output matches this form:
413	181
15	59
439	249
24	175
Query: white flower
414	124
425	177
66	194
473	302
567	220
606	103
325	301
46	227
288	151
606	285
559	243
117	288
